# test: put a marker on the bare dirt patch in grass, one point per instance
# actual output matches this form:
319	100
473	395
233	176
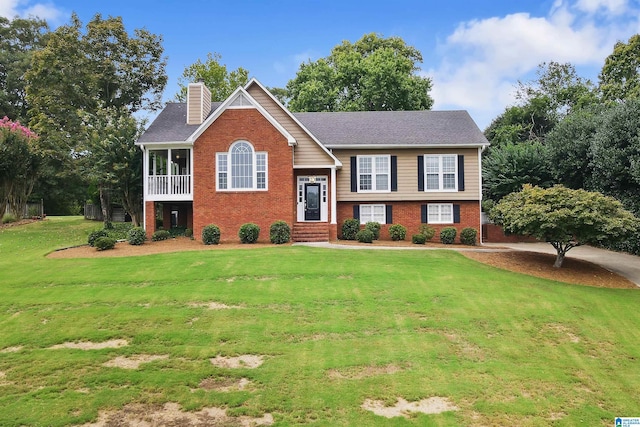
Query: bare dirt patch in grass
13	349
213	305
225	384
170	414
133	362
402	408
536	264
360	372
88	345
249	361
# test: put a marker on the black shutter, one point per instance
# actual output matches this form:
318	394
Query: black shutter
420	173
394	173
456	214
460	173
356	211
423	214
389	215
354	175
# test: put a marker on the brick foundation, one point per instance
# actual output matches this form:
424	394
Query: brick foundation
492	233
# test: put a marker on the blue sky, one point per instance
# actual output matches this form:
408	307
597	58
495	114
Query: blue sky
474	50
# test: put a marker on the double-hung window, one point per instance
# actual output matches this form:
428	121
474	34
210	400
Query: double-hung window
241	168
374	173
440	213
373	213
441	172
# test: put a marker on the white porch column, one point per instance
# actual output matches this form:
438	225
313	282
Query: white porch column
334	201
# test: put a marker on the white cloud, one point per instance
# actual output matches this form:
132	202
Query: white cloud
483	59
26	8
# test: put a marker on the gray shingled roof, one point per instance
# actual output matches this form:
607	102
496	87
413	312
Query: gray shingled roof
171	124
366	128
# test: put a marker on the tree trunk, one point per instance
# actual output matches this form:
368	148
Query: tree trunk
559	259
105	204
562	250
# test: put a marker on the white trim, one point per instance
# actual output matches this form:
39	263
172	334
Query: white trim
334	199
163	144
324	197
440	220
392	146
254	157
324	148
227	105
441	174
372	215
314	166
373	173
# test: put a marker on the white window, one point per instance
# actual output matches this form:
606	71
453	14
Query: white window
374	173
373	213
440	213
441	172
241	168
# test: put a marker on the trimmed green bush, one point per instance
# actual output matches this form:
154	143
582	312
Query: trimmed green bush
427	231
160	235
279	232
249	233
374	227
364	236
104	243
137	236
350	228
9	217
468	236
418	239
397	232
448	235
95	235
211	234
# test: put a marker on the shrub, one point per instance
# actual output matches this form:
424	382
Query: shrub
350	228
188	232
397	232
95	235
374	227
279	233
211	234
418	239
468	236
249	232
104	243
364	236
136	236
177	231
9	217
427	231
160	235
448	235
108	225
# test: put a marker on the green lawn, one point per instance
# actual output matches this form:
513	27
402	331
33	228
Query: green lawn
335	328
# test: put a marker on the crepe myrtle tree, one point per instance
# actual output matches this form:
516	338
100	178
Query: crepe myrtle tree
565	218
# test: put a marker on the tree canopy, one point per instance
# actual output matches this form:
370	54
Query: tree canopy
565	218
620	75
215	76
372	74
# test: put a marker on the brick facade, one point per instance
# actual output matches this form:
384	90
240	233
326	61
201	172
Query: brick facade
230	209
409	215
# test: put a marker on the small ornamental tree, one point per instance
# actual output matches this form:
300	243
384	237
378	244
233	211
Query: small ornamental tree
565	218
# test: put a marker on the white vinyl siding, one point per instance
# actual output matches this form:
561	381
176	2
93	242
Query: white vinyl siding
373	213
441	172
374	173
241	168
440	213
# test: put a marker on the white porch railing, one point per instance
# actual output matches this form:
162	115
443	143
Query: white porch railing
169	185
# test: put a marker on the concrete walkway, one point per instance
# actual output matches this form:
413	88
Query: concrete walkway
626	265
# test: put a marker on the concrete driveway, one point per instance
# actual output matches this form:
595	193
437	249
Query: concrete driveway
624	264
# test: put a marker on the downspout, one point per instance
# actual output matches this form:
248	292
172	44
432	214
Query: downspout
480	151
145	181
334	201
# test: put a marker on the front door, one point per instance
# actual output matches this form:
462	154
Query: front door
312	202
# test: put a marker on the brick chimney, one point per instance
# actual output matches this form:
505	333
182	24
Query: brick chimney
198	103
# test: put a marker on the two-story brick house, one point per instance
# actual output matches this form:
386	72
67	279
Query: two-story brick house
249	159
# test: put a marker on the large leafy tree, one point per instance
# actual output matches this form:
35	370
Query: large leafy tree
80	72
374	73
565	218
19	38
215	76
620	75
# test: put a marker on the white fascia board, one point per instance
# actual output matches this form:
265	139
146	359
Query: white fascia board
166	144
286	110
317	166
227	103
393	146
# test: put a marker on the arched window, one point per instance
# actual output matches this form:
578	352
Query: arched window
241	168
